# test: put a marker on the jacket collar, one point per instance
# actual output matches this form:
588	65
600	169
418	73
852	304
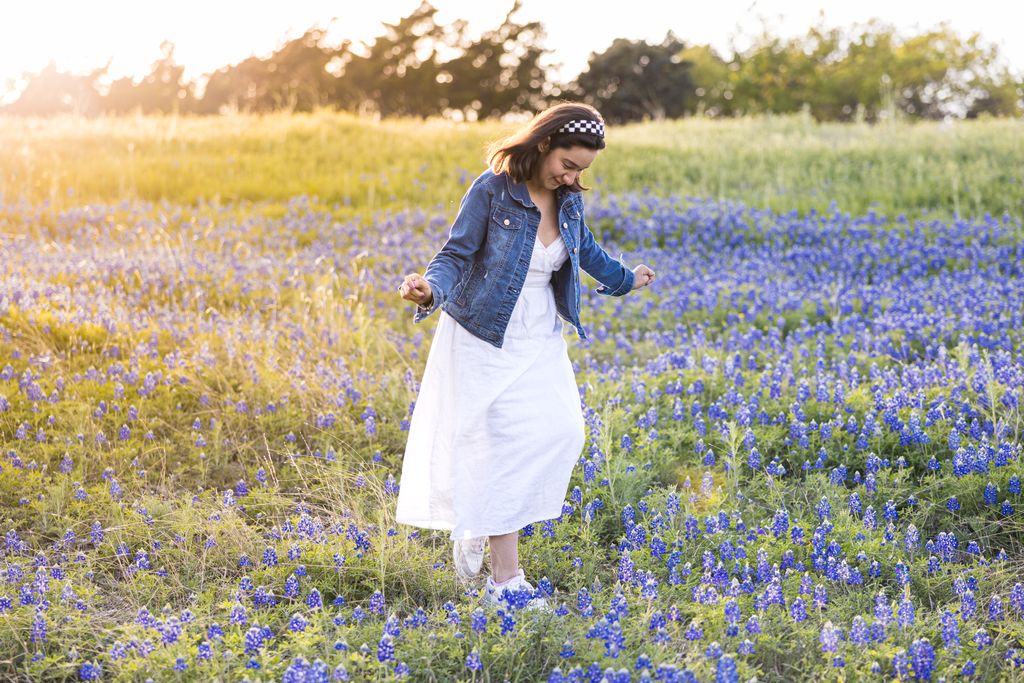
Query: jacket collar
521	193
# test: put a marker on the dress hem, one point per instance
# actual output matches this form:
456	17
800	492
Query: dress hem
448	526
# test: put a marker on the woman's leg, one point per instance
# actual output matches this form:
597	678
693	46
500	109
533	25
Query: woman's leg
504	556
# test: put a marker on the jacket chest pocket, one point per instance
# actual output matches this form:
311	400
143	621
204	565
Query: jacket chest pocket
503	234
506	219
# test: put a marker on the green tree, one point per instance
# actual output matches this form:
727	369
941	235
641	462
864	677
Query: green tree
294	77
500	72
163	89
865	71
633	80
399	74
710	76
51	91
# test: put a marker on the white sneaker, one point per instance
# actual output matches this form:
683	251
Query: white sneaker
517	594
468	556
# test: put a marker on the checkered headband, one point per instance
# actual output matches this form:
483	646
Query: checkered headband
584	126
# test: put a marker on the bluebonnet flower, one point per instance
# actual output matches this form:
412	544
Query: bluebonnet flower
922	659
854	504
901	665
859	631
391	626
732	612
995	608
824	509
262	597
754	459
911	539
1017	598
385	649
694	631
883	610
291	586
253	639
584	602
991	493
478	621
90	671
829	637
376	605
870	521
820	599
301	671
797	610
905	613
968	605
237	614
297	622
508	622
725	670
780	523
982	639
950	630
38	633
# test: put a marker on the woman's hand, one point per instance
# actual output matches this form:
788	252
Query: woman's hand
416	289
644	276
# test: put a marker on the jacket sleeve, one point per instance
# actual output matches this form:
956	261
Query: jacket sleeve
464	239
616	279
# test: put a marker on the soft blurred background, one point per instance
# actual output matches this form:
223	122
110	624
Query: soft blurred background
467	60
789	105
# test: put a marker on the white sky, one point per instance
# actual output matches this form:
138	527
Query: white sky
83	34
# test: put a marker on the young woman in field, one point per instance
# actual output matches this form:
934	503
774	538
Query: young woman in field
497	427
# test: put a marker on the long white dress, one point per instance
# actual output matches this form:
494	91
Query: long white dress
495	433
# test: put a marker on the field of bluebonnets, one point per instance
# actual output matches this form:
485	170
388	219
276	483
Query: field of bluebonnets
804	440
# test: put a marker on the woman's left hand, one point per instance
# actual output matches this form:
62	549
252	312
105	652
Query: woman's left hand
644	276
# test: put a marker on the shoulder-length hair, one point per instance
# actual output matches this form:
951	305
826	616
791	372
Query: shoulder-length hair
518	153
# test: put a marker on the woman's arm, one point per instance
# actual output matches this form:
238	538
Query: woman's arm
615	277
464	239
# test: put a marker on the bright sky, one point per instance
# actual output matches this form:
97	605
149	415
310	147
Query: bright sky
207	34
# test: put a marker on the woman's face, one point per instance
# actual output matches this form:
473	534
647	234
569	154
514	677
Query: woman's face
560	166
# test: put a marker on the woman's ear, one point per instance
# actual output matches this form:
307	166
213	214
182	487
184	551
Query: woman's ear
544	145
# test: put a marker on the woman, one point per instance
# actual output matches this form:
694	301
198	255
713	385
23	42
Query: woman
497	427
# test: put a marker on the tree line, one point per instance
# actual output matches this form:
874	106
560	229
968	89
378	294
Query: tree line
418	67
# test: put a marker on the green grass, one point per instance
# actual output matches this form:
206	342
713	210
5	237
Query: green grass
783	163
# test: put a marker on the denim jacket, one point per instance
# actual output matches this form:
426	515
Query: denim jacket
477	275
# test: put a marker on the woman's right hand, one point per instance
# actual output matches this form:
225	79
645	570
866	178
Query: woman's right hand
416	289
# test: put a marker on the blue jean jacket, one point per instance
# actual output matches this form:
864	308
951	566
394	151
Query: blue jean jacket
477	275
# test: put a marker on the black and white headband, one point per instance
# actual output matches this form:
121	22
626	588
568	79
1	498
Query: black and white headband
583	126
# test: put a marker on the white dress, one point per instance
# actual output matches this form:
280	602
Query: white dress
495	433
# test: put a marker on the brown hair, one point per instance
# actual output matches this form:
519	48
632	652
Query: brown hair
518	153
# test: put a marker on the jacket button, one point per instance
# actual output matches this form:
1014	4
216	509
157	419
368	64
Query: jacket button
574	250
565	225
506	221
